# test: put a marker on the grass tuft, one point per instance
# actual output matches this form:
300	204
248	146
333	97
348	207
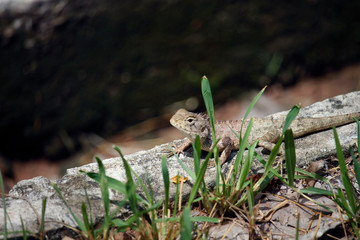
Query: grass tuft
233	193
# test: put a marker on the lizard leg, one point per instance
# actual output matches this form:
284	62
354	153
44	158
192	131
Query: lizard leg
225	154
268	141
226	144
270	146
186	144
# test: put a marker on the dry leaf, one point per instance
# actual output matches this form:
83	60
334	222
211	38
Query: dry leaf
181	179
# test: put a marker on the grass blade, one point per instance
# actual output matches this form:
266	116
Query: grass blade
356	166
243	144
204	219
290	117
358	131
131	192
245	169
176	200
198	180
341	201
268	167
306	174
272	157
197	154
183	166
243	141
4	206
103	186
91	227
149	196
120	224
126	166
206	92
319	191
130	195
24	232
80	224
42	222
105	198
170	219
252	104
356	161
185	225
165	172
250	200
297	226
344	173
114	184
87	223
129	172
290	157
200	177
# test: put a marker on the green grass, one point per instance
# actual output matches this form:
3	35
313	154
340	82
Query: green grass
5	233
164	219
346	198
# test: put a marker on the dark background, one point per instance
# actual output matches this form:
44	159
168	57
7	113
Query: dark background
74	67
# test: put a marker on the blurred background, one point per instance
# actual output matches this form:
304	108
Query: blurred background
78	76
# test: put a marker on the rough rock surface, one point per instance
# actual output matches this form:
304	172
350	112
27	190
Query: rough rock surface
25	199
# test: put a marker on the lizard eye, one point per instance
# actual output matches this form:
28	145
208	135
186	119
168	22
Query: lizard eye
190	120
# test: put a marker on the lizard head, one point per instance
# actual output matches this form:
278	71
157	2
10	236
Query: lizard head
191	124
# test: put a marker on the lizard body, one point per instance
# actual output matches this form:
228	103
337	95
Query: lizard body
266	130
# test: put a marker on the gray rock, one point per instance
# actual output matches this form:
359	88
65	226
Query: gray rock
238	229
25	199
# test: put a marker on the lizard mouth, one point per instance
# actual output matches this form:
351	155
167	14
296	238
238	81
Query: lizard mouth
172	122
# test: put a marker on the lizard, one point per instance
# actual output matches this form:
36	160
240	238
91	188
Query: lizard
265	130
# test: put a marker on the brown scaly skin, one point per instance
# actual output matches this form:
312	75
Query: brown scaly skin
266	130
